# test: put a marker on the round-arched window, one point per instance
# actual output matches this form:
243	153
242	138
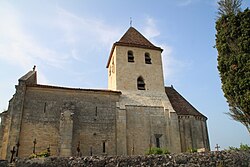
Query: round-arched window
147	58
140	83
130	56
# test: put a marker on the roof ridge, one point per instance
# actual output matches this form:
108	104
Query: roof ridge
71	88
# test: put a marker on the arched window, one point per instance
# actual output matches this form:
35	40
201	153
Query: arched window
140	83
130	56
147	58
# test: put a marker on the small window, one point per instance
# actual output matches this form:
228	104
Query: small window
45	107
157	139
147	58
140	84
113	66
103	147
109	71
130	56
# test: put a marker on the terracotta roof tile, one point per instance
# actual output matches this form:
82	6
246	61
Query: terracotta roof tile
180	104
133	38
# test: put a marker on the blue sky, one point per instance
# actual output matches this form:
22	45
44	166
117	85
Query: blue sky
70	41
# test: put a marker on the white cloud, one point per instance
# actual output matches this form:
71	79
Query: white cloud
42	79
167	60
86	31
78	37
150	30
186	2
17	46
75	37
88	40
77	34
171	66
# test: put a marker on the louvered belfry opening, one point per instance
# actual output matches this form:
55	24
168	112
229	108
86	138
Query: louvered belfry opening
130	56
140	83
147	58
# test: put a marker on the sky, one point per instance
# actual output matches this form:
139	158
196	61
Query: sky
70	41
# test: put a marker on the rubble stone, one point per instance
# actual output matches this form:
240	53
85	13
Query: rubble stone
211	159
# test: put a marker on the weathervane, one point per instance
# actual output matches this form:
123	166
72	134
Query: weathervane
130	21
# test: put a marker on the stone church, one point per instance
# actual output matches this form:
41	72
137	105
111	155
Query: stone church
135	113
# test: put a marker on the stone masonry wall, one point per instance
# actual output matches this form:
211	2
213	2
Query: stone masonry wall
14	114
5	134
93	115
126	73
193	133
144	116
143	126
209	159
1	135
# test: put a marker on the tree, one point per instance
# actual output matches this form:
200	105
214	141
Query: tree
233	46
227	7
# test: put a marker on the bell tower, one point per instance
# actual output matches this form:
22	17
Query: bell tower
135	64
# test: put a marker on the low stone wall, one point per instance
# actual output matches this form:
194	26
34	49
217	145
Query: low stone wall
3	163
211	159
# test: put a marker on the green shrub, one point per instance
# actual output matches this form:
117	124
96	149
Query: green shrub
243	147
32	156
192	150
42	154
157	151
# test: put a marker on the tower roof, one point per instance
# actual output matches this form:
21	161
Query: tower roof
133	38
180	104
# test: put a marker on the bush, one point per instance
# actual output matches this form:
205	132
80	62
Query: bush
32	156
243	147
192	150
157	151
42	154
